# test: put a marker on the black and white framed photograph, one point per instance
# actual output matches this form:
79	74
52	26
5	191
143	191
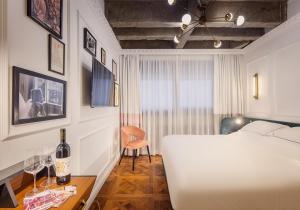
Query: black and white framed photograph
37	97
56	55
103	56
49	14
115	70
89	42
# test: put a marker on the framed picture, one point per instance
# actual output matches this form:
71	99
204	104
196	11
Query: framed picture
103	56
89	42
37	97
115	70
56	55
116	94
49	14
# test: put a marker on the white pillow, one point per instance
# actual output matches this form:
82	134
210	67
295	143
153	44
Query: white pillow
263	127
291	134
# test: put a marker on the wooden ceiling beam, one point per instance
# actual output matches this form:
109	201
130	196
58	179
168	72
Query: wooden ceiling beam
160	44
204	0
248	34
157	24
191	38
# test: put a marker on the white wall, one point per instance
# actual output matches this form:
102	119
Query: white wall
275	57
92	133
293	8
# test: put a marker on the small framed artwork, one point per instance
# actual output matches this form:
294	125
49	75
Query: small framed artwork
56	55
89	42
103	56
37	97
116	94
115	70
49	14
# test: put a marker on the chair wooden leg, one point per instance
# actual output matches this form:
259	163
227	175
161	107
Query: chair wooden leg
149	153
122	155
133	158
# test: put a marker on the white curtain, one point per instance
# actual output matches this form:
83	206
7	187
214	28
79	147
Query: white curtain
228	87
176	96
130	91
167	95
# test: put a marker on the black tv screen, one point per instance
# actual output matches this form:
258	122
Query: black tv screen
102	85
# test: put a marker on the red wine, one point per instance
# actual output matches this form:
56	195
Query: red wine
62	164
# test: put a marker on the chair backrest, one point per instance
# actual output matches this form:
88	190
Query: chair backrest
129	132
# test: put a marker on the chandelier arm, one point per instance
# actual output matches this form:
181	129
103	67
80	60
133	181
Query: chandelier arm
214	18
221	21
189	30
196	21
209	32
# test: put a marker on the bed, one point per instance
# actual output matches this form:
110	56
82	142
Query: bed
239	171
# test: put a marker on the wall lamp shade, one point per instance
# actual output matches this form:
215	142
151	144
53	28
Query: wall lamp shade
255	86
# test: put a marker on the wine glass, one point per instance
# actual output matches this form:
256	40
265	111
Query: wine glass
48	161
33	165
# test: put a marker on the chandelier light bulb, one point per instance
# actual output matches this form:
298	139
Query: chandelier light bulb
217	44
240	20
186	19
176	40
229	17
171	2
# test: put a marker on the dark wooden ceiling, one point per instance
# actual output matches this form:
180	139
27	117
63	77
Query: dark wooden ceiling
152	24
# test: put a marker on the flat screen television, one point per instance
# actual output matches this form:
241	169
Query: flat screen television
102	88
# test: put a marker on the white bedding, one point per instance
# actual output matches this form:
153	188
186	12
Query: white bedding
240	171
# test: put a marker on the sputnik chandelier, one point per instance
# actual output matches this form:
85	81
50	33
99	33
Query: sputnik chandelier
200	20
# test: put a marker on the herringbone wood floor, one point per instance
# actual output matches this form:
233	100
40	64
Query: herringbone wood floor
143	189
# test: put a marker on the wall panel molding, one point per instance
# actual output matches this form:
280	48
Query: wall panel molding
97	117
105	154
95	131
4	75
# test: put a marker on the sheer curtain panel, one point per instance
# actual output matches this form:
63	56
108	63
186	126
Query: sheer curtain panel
130	91
176	96
228	87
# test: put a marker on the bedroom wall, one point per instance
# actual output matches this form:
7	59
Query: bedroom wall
275	57
293	7
92	133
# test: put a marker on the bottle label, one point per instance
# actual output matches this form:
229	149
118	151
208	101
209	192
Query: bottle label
62	166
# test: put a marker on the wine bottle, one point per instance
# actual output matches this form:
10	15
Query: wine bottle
62	164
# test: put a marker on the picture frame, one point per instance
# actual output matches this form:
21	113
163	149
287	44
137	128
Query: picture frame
89	42
103	56
56	55
37	97
116	94
115	70
47	14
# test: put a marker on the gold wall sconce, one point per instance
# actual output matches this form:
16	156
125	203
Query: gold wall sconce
255	86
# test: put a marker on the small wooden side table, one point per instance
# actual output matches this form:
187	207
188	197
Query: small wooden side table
84	187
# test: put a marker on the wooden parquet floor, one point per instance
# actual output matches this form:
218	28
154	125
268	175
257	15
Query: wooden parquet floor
143	189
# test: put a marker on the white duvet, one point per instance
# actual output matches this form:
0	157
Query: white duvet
240	171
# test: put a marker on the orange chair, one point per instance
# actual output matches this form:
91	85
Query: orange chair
133	138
